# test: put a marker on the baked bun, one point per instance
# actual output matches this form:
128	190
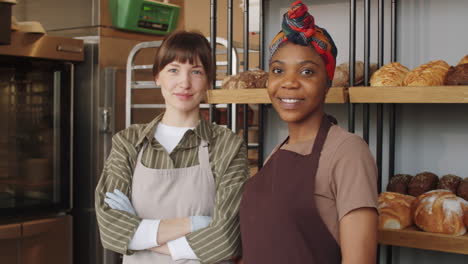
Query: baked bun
395	210
449	182
440	211
465	218
341	77
457	75
422	182
463	60
429	74
247	79
391	74
399	183
462	189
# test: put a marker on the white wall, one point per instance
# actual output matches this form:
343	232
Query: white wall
432	137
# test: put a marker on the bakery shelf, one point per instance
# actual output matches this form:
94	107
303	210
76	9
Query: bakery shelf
409	94
414	238
336	95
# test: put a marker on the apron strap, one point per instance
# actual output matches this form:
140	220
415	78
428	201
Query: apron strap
204	155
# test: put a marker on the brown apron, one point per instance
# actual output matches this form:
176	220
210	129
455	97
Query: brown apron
171	193
280	222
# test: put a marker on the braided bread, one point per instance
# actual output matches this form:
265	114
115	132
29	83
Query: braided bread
463	60
391	74
429	74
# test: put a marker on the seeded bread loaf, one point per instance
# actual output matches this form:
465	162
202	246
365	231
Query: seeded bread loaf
422	182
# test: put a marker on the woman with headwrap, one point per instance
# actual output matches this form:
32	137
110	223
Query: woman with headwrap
315	199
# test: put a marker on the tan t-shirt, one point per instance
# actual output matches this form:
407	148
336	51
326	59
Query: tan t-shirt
346	177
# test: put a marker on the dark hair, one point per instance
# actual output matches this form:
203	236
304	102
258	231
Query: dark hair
183	46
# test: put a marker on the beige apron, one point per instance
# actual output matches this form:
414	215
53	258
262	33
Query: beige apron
171	193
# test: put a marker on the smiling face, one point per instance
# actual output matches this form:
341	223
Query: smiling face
297	83
183	86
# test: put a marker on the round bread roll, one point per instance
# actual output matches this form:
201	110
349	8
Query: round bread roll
391	74
449	182
422	182
463	60
395	210
429	74
440	211
462	189
399	183
249	79
457	75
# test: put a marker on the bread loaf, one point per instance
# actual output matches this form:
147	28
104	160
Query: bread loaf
422	182
341	77
449	182
457	75
248	79
429	74
440	211
391	74
399	183
395	210
462	189
463	60
465	219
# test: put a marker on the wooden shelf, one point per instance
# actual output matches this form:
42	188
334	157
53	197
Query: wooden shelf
336	95
412	237
409	94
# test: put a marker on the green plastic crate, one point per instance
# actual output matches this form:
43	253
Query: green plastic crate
144	16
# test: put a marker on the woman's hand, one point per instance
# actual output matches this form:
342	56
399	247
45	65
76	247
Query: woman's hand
119	201
358	236
164	249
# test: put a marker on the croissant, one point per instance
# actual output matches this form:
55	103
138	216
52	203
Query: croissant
463	60
440	211
391	74
395	210
429	74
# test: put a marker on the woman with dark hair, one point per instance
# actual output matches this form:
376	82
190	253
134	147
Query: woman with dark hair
170	189
315	199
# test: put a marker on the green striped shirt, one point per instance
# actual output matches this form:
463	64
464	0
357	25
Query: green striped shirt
228	160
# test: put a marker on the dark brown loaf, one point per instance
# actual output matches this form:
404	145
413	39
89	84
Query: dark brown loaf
457	75
449	182
399	183
422	182
248	79
462	189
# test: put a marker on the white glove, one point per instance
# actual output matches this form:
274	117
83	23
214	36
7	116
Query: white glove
199	222
119	201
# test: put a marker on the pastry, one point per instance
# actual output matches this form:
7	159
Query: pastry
462	189
248	79
457	75
422	183
399	183
449	182
463	60
391	74
429	74
440	211
341	77
395	210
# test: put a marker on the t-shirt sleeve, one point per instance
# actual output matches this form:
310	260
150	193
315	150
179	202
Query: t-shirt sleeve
354	176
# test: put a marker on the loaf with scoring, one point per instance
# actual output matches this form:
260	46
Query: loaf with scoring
440	211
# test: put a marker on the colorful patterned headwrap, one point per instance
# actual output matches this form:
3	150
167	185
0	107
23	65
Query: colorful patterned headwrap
299	27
